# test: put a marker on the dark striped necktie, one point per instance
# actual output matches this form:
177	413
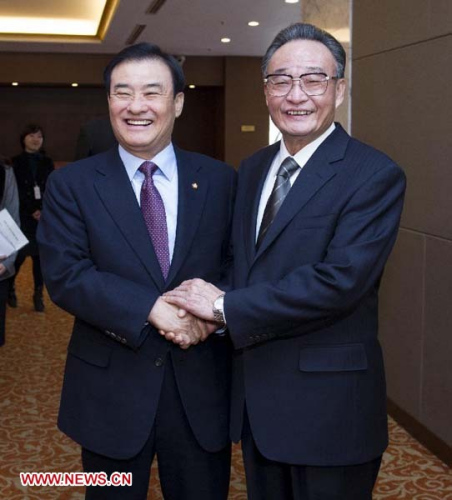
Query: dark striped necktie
280	189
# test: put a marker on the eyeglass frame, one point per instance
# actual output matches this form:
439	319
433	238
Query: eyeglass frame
299	79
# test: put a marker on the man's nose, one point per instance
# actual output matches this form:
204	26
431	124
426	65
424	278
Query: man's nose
297	93
137	104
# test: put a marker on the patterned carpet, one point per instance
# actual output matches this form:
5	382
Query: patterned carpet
31	367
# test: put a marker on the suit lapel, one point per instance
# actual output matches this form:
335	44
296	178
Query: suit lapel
193	187
116	193
254	187
314	175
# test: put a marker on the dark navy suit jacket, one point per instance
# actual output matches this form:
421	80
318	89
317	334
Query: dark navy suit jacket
303	317
99	265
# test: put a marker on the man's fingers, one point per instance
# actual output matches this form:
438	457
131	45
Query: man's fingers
180	290
176	293
168	335
176	301
181	313
184	341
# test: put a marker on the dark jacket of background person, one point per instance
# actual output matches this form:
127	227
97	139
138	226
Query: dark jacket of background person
26	182
96	136
9	199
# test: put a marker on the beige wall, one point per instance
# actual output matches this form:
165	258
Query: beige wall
333	17
401	104
244	105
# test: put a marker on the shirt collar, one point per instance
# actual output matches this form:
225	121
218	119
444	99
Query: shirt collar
305	153
165	160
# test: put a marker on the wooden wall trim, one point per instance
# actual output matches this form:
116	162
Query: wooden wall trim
426	437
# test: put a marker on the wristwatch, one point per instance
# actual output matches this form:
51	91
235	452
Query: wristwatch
218	309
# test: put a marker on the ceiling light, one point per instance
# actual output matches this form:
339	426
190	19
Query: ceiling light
15	84
225	40
74	84
39	26
292	1
192	86
253	23
55	22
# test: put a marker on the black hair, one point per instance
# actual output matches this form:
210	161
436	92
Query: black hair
142	52
31	128
304	31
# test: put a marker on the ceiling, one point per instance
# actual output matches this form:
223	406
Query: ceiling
181	27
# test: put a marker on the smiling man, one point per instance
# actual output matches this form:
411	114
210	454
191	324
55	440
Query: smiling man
316	217
119	229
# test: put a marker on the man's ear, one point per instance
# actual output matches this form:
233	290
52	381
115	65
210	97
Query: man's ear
341	87
179	103
265	94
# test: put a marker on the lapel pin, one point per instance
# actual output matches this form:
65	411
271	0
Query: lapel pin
194	185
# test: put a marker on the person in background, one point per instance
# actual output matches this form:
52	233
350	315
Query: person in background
316	217
31	168
9	199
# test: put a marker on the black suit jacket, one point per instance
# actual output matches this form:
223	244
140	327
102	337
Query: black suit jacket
96	136
303	317
99	264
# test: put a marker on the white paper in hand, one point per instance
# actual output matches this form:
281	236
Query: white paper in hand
12	238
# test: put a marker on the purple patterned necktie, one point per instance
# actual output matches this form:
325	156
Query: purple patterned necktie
154	215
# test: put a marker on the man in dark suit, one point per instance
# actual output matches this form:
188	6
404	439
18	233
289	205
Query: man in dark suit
128	394
315	220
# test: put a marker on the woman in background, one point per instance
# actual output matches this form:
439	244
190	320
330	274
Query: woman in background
32	168
9	199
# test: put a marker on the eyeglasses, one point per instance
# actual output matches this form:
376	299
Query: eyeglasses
310	83
130	97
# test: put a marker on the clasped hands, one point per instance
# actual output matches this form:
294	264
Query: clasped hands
184	315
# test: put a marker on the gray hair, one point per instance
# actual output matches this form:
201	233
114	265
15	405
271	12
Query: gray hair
304	31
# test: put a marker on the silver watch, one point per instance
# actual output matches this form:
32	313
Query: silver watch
218	309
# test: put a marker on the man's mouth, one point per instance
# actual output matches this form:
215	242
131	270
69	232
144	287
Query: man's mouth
300	112
138	123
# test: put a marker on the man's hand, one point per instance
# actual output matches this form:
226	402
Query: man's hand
2	268
36	215
178	326
195	296
200	331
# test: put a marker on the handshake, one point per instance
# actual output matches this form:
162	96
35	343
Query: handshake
184	315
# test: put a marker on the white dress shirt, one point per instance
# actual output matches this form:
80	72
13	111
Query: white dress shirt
165	180
302	157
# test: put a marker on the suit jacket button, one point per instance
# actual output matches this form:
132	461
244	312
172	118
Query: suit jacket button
158	362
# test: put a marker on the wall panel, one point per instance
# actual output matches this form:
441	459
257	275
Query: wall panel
401	331
437	383
399	106
402	102
388	24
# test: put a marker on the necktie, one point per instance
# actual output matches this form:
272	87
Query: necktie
154	215
280	189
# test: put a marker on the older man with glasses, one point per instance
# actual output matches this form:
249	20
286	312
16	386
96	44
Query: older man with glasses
316	217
